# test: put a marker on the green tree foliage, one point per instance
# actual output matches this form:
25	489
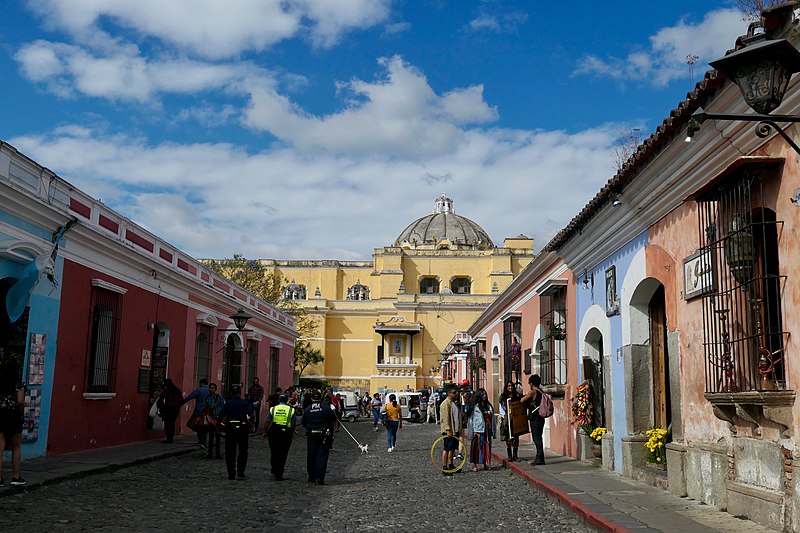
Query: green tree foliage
252	275
305	356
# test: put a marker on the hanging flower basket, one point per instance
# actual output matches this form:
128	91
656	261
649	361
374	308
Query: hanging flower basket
558	331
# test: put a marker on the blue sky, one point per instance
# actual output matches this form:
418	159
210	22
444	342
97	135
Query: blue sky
318	129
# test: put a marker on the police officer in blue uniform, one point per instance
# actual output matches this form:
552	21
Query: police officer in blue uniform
280	424
318	419
235	416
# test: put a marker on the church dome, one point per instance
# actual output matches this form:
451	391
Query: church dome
444	229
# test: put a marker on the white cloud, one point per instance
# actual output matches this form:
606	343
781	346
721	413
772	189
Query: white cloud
217	199
122	73
214	28
397	27
399	115
499	22
666	58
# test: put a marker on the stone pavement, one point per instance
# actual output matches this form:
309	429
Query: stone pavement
613	503
125	489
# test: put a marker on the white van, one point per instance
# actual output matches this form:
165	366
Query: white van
350	405
410	405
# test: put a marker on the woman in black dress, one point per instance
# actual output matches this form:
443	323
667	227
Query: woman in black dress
12	404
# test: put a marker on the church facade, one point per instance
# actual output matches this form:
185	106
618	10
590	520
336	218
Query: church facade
383	324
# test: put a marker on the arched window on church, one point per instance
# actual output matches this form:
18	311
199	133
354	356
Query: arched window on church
358	292
429	286
293	291
461	285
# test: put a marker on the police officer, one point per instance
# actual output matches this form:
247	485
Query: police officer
318	419
235	416
279	429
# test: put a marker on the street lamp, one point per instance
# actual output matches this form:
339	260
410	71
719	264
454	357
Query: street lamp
761	69
240	319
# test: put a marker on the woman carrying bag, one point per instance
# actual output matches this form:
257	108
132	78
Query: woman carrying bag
480	430
510	394
394	421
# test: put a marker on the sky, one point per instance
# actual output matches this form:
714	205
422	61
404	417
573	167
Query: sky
319	129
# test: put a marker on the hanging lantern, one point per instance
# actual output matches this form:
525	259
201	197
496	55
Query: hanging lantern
739	251
762	70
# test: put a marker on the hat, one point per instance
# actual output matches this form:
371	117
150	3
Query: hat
316	396
283	398
236	390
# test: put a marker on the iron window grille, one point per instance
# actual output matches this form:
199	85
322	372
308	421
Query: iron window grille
103	341
202	353
742	323
553	348
273	368
512	348
252	360
461	286
429	286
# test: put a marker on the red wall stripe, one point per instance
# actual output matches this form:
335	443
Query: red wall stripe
109	224
83	210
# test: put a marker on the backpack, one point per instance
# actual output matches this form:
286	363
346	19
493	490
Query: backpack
545	409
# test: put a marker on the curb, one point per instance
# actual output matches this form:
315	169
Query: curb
60	478
582	510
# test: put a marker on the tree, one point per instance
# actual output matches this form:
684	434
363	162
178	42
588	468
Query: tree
625	146
751	9
253	276
305	356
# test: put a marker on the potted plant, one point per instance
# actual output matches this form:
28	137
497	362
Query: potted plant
656	446
558	331
597	436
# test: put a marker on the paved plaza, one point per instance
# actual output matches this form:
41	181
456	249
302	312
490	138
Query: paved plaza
378	491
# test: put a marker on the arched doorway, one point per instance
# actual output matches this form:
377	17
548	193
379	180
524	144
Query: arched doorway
232	365
594	370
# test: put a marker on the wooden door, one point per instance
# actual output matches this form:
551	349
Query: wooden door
660	359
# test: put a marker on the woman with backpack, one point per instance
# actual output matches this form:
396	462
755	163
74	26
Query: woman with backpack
480	430
533	400
394	421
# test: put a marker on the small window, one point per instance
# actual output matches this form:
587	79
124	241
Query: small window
202	353
358	292
512	348
429	286
293	291
274	356
252	360
553	347
461	286
104	324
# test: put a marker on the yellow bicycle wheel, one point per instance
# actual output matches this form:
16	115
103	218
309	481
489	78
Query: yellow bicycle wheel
462	449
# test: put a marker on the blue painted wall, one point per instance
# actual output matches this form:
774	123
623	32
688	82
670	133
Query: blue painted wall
43	318
596	294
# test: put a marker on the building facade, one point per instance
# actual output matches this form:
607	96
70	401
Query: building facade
116	312
385	323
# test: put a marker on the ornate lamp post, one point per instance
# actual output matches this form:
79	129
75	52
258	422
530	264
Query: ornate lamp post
762	70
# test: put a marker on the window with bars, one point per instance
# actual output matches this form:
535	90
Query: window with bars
461	286
429	286
274	354
512	348
202	353
252	360
553	342
104	327
742	323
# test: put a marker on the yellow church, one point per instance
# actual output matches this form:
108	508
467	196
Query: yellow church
384	323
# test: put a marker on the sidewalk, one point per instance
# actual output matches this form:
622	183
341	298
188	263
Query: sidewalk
45	470
610	502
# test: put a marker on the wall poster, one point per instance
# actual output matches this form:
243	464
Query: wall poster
36	358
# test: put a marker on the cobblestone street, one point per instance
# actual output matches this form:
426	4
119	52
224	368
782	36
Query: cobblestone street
379	491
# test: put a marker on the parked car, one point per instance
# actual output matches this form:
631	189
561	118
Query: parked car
349	405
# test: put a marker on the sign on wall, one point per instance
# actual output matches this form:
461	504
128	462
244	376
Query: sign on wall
612	303
698	274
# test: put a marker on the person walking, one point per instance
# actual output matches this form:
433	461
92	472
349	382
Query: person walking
235	416
509	395
199	396
375	404
318	419
450	425
213	411
169	403
279	429
480	430
533	399
255	395
394	421
12	406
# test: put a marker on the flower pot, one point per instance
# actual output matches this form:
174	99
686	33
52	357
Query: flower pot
597	450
